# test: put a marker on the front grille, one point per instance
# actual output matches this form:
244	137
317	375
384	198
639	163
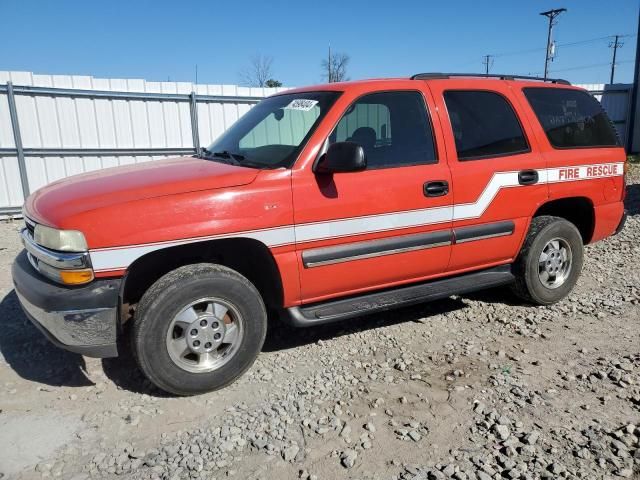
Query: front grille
33	261
31	226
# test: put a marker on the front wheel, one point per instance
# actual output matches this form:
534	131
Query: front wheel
198	328
550	261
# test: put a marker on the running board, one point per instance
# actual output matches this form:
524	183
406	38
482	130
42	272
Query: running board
341	309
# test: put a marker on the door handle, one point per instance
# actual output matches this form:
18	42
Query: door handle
528	177
437	188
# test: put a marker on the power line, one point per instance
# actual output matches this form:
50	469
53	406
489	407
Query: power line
583	42
539	49
558	45
579	67
594	65
519	52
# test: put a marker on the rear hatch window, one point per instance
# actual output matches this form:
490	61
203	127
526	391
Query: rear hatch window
572	118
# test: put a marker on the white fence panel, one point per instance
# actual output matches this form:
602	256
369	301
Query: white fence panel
113	126
616	100
6	132
10	185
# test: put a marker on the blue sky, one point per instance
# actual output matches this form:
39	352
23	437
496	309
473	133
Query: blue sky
157	40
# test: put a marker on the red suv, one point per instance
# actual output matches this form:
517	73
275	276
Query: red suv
321	204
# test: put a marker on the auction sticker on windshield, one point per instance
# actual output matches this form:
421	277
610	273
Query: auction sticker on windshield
301	104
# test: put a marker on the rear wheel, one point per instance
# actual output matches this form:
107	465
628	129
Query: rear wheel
198	328
550	261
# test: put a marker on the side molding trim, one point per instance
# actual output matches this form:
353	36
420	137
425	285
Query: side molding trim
480	232
375	248
407	243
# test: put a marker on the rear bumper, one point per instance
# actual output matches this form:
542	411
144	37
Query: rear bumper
623	220
609	220
79	319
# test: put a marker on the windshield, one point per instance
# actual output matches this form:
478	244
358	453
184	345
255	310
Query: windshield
272	133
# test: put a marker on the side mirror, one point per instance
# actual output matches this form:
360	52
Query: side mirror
342	157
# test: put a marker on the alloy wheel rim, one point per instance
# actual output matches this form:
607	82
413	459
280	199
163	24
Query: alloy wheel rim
204	335
555	262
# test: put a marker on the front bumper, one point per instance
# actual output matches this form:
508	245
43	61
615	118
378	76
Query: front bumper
79	319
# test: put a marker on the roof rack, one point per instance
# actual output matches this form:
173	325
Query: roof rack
435	75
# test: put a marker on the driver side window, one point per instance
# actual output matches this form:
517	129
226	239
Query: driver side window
393	129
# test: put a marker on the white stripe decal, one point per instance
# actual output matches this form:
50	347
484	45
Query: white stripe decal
476	209
118	258
372	223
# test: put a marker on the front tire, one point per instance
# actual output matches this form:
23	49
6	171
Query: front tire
549	262
198	328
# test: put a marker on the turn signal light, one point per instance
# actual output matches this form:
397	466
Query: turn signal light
76	277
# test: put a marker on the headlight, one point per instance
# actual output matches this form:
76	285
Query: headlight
61	240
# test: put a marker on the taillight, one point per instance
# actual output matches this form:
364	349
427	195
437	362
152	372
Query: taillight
625	169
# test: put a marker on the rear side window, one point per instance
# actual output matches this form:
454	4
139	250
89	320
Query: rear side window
571	118
484	125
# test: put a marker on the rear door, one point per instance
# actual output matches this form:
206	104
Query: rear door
496	168
579	142
584	155
386	225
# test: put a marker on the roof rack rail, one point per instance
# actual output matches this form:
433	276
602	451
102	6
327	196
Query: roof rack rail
436	75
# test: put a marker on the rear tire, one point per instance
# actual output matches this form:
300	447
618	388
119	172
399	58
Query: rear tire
549	262
198	328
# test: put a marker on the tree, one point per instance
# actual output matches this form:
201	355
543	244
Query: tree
335	67
271	83
259	73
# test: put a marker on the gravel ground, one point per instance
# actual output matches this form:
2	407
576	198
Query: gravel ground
472	387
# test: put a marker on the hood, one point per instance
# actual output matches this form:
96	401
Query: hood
65	198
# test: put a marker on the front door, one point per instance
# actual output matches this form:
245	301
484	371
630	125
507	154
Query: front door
387	225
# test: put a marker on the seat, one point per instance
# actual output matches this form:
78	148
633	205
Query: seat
366	138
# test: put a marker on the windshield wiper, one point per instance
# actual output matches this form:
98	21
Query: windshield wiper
204	152
233	158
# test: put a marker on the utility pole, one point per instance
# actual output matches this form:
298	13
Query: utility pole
551	15
329	65
615	45
633	132
488	63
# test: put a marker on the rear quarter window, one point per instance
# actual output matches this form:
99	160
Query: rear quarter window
571	118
